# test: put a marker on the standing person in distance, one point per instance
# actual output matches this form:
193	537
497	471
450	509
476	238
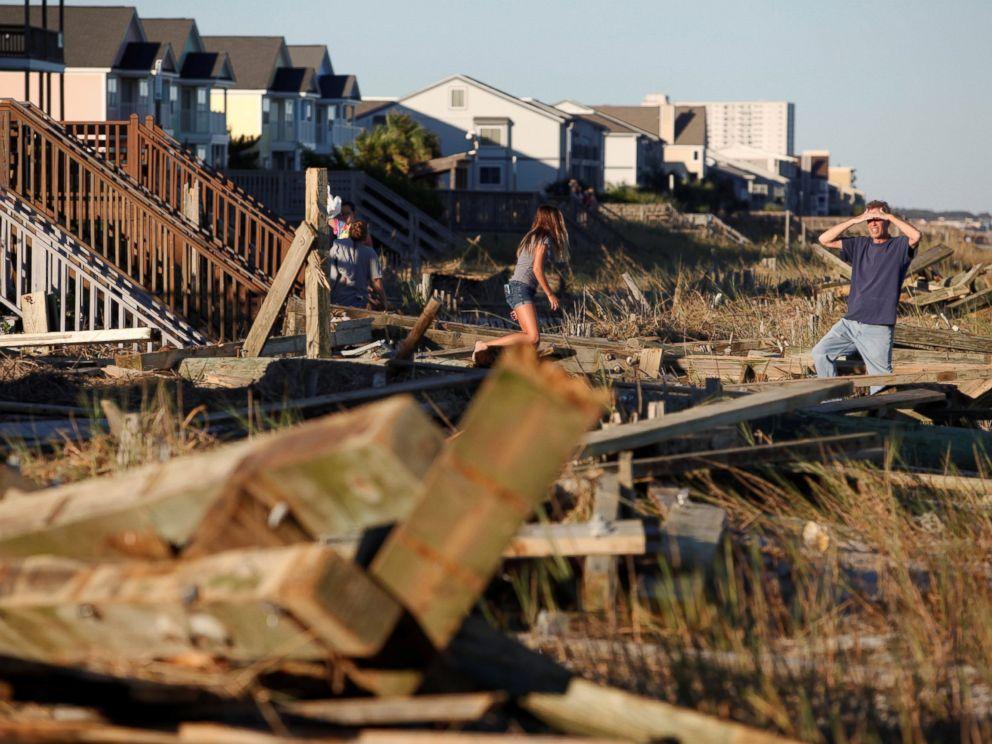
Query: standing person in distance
878	268
353	267
546	239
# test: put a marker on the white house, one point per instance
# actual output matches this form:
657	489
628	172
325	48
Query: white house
631	155
493	141
682	130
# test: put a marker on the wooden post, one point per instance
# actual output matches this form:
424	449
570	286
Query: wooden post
802	231
478	491
599	572
317	288
788	229
34	315
299	252
406	348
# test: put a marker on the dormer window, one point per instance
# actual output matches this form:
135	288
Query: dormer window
456	98
492	136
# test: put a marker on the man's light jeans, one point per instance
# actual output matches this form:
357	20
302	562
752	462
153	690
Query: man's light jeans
872	342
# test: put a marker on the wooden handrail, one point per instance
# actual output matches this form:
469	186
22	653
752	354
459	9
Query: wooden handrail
216	289
165	168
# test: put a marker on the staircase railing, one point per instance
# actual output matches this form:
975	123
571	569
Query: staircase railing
87	293
204	195
73	187
398	226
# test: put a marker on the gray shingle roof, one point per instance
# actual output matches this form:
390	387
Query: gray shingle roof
309	55
175	31
93	34
690	125
642	117
367	108
254	58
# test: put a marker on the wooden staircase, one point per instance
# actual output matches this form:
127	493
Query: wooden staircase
212	278
398	227
88	293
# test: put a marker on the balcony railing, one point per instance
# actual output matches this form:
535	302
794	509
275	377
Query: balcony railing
37	43
343	134
202	122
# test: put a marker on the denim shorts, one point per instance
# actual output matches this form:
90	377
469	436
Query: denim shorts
518	293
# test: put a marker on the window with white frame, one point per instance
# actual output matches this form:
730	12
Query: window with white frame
287	111
490	175
201	98
265	110
174	93
143	88
112	91
456	98
308	110
492	136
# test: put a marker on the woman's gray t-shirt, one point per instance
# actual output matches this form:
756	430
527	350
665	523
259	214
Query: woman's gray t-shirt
352	267
524	271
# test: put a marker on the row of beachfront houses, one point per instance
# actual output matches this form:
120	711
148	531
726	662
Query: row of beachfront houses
108	63
494	141
203	90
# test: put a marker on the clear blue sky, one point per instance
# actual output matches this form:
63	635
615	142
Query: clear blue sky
899	90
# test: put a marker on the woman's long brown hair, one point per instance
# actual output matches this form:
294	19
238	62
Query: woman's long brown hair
548	223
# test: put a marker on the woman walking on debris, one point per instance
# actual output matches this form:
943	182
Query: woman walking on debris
354	266
547	238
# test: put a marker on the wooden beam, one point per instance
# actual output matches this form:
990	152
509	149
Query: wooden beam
297	602
521	427
928	258
294	261
948	375
406	348
577	706
452	708
937	338
572	540
599	573
803	394
833	260
882	401
335	475
690	531
317	294
971	303
34	315
112	336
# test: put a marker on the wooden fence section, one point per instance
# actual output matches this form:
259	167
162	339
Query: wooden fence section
480	211
397	225
203	195
86	292
71	186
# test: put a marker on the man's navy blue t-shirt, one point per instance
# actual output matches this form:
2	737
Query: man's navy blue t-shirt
877	274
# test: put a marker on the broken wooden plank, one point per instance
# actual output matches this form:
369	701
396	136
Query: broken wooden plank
950	374
577	706
833	260
520	429
297	602
406	348
971	303
335	475
944	294
293	262
452	708
599	573
882	401
800	395
938	338
578	539
58	338
930	257
34	316
690	531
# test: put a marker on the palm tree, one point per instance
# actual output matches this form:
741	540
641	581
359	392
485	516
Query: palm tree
394	148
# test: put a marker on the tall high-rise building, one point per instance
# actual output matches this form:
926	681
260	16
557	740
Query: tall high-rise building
763	125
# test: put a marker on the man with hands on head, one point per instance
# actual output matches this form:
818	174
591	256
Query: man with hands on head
878	268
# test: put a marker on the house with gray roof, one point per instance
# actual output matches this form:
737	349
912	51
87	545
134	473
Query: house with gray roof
191	103
492	140
110	64
631	154
337	97
682	129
